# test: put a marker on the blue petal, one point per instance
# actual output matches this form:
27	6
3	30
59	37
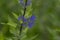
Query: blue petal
29	2
30	24
32	18
22	2
24	19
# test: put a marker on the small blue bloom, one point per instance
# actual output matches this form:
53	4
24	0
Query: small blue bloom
26	22
24	19
30	24
29	2
22	2
32	18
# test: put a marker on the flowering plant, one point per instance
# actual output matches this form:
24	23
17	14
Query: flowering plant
26	21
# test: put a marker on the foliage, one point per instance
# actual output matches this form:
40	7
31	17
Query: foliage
46	25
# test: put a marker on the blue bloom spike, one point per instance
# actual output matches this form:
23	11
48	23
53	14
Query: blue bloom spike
24	19
30	23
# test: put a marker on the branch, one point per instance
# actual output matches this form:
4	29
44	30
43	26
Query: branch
23	19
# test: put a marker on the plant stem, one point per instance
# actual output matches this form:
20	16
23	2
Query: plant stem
23	19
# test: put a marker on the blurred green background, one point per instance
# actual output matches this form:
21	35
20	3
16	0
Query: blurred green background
47	23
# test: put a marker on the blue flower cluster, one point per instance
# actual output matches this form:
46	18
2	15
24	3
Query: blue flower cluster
28	21
23	3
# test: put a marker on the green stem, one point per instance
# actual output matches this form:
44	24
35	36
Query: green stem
23	19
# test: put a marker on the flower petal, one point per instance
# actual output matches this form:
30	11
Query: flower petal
29	2
30	24
24	19
32	18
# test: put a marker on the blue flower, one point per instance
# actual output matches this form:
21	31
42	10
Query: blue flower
32	18
29	2
23	3
22	18
24	25
30	24
27	22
